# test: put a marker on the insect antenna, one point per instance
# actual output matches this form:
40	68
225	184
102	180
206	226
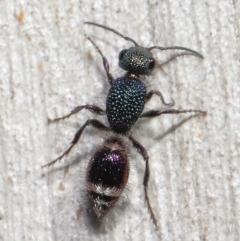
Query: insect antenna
114	31
177	48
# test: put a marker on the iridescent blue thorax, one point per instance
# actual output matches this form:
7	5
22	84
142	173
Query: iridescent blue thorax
125	103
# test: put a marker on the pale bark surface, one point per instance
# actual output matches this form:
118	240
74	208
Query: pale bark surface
47	67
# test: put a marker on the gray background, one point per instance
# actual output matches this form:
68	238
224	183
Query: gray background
48	67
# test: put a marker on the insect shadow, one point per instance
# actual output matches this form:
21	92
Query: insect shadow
125	102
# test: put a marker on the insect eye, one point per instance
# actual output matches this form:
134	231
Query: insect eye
151	64
122	53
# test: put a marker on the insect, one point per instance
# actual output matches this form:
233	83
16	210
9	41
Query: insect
139	60
107	176
124	106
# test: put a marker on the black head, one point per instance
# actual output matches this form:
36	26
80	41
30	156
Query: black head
137	60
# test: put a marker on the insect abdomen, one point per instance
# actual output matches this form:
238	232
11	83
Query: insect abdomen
107	176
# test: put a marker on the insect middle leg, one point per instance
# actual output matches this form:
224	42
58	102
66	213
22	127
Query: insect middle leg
154	113
95	123
93	108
